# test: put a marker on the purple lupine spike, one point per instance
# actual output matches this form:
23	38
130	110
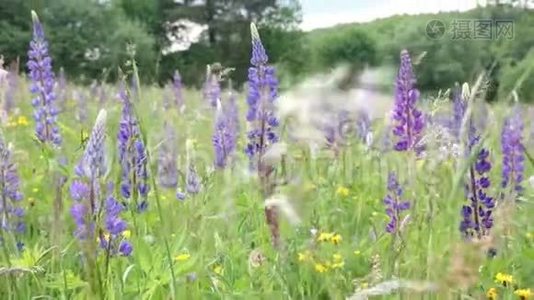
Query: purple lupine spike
363	126
85	190
93	163
224	137
262	95
11	210
42	86
132	154
167	164
477	217
111	238
177	90
232	111
193	184
409	121
459	108
212	88
12	81
394	204
513	152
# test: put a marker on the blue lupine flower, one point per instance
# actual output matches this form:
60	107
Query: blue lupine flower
177	89
167	168
513	152
11	210
477	217
224	137
262	95
394	204
42	86
409	121
132	153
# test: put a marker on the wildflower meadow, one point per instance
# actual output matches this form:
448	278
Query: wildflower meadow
129	190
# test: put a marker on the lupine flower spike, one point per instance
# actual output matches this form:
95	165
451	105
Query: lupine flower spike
262	95
177	91
409	121
394	204
85	190
224	137
211	89
132	156
193	184
167	168
513	152
11	210
42	86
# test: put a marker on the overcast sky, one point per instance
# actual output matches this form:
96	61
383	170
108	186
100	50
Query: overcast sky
325	13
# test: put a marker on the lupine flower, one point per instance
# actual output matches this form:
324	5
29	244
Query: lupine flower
459	108
477	217
132	155
409	121
224	137
262	95
167	169
85	190
231	110
112	238
177	89
12	81
513	152
211	89
11	210
363	127
394	204
193	184
42	86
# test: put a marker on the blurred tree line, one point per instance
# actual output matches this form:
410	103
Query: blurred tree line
508	60
88	38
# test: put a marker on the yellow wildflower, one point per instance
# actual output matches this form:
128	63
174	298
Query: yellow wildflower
320	268
218	269
336	239
325	236
504	279
529	235
304	256
523	294
22	120
126	234
338	262
35	190
492	294
342	191
182	257
357	252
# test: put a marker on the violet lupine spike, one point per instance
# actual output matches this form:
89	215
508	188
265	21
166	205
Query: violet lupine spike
42	86
224	137
12	80
167	164
94	162
232	111
85	190
112	237
81	106
394	204
212	88
363	126
477	218
409	121
11	210
261	99
132	155
513	152
459	105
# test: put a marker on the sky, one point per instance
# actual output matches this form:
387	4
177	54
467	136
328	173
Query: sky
326	13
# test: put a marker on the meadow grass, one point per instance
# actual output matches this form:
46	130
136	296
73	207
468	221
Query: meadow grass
218	241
